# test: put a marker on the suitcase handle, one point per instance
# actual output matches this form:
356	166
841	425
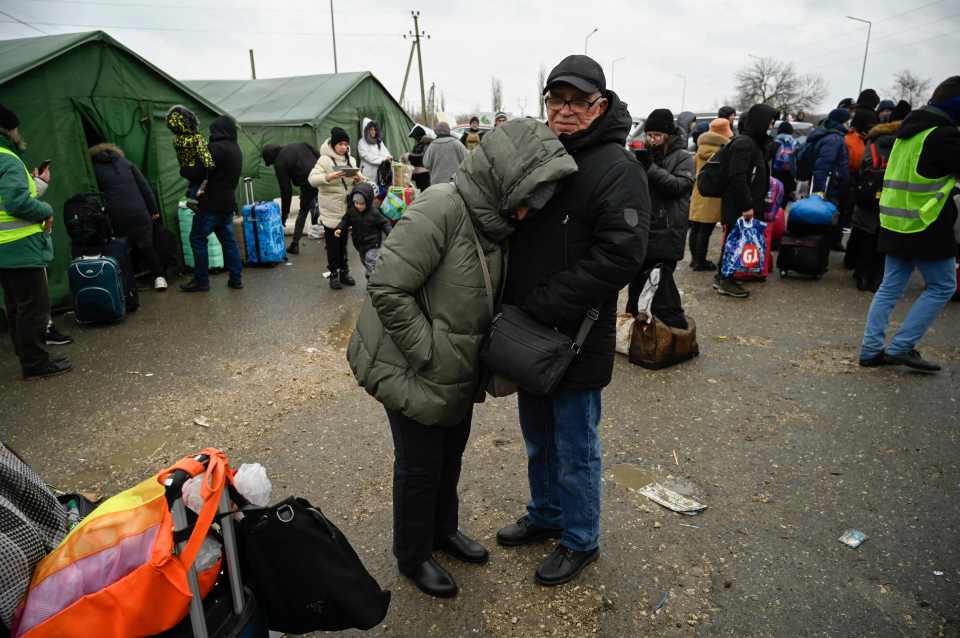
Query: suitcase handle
248	190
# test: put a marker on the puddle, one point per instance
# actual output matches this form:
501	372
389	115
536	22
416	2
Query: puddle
339	333
632	476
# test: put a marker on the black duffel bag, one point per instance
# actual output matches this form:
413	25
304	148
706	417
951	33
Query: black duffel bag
304	572
532	355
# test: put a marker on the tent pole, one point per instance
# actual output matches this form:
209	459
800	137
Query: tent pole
406	75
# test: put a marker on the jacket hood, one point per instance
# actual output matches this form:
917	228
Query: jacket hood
367	124
922	119
758	121
269	153
612	126
887	128
510	163
182	121
223	128
709	143
365	189
684	120
105	153
445	139
819	133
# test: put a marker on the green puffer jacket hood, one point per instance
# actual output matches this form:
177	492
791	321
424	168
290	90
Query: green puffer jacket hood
417	341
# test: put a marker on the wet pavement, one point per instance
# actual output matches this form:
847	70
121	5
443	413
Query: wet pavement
774	428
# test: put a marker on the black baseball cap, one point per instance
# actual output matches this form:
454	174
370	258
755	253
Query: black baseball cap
580	71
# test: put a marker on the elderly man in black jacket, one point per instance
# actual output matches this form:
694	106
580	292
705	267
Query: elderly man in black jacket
575	254
292	164
670	178
748	181
217	205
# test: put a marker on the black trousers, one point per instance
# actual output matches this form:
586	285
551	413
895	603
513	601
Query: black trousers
667	306
142	250
867	261
336	250
27	305
700	233
426	472
308	200
789	186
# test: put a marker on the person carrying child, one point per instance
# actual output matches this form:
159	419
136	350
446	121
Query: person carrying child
191	149
368	225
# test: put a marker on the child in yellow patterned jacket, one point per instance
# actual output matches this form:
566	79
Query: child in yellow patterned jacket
190	147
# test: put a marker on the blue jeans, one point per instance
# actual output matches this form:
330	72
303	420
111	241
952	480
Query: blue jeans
564	464
941	279
205	223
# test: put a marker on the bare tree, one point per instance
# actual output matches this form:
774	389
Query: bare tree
496	94
770	81
541	84
910	87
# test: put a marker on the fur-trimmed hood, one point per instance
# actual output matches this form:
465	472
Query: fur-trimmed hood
887	128
105	153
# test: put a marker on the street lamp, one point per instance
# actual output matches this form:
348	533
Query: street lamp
683	100
866	50
586	40
333	31
613	71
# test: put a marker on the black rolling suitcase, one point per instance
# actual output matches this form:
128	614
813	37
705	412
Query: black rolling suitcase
804	254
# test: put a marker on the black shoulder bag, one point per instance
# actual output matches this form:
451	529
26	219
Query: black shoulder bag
523	350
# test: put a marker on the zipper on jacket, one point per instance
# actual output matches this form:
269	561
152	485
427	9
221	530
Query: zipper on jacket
566	218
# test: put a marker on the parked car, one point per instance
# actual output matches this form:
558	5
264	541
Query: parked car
635	139
800	130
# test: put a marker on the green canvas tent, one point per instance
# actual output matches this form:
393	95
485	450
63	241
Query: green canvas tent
75	90
304	109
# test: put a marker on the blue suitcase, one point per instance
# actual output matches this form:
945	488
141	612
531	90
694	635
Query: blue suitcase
262	230
96	285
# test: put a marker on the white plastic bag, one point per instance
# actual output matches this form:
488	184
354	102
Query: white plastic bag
625	323
250	480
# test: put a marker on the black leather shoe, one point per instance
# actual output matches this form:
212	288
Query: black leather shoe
913	360
346	279
461	547
563	565
523	532
874	361
52	368
194	286
236	285
432	579
293	249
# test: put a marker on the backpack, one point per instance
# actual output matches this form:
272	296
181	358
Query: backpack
86	220
806	158
715	174
785	160
866	189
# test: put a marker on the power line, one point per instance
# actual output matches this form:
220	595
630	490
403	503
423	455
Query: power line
887	50
188	30
19	21
106	3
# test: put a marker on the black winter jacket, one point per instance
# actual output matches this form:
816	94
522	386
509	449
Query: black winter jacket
220	195
127	196
369	227
292	164
586	244
940	157
749	175
670	178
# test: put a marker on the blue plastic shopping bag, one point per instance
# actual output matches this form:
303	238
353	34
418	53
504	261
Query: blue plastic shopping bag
813	210
745	249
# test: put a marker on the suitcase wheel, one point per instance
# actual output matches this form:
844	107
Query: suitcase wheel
784	274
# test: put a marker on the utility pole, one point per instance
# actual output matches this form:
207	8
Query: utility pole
683	98
253	66
866	50
416	35
333	31
586	40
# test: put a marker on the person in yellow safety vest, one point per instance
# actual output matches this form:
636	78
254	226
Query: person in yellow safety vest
918	212
26	249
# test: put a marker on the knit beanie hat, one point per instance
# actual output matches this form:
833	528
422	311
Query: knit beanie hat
660	121
840	116
868	99
785	127
864	120
338	135
901	111
721	126
946	97
886	105
8	119
846	103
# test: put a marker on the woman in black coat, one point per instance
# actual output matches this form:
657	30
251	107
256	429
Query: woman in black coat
130	203
670	177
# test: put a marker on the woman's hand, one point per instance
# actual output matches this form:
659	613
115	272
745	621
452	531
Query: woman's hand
357	178
334	175
337	232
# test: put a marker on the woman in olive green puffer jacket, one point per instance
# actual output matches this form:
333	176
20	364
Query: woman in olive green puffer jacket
417	341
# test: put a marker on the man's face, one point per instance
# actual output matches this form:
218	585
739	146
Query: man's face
570	110
500	121
732	117
474	124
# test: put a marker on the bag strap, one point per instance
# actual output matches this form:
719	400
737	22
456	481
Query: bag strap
487	280
585	326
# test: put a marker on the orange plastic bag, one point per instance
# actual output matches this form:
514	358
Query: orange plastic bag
116	575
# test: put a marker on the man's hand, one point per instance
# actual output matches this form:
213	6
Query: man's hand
45	175
48	224
337	232
747	215
155	216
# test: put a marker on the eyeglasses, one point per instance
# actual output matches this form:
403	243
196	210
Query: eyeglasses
578	105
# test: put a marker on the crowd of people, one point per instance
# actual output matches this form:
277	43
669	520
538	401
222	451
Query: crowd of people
581	217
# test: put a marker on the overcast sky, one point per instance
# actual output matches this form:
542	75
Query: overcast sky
471	42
